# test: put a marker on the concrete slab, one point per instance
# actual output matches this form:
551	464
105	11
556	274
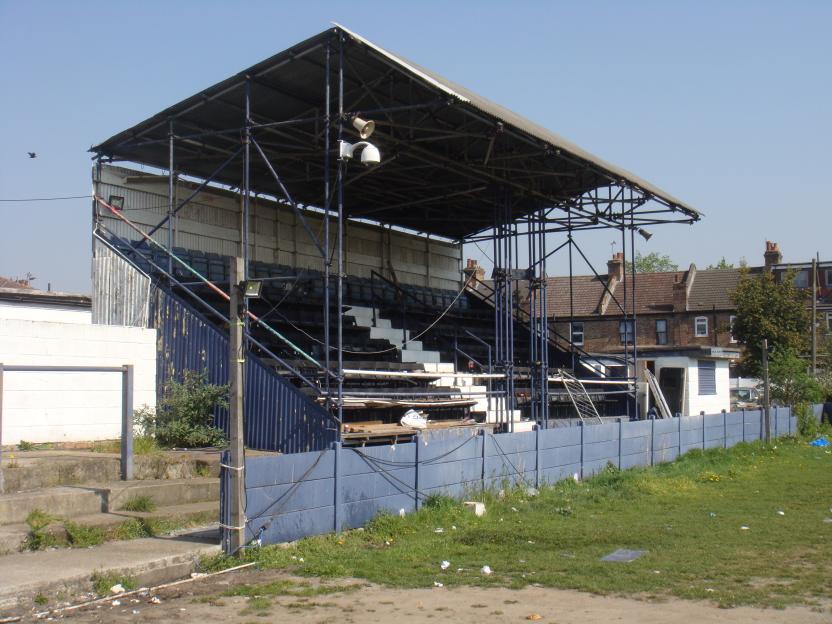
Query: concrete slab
150	561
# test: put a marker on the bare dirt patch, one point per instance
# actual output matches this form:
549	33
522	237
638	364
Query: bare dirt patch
309	601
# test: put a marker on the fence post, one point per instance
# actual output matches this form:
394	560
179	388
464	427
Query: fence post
775	421
652	439
724	429
581	474
743	424
417	439
127	422
620	435
482	472
336	486
791	410
703	430
679	429
537	456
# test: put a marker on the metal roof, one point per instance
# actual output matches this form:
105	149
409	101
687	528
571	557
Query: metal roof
445	150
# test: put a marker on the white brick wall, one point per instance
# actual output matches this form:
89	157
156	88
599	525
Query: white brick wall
70	407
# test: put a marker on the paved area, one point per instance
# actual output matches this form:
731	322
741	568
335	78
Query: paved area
68	571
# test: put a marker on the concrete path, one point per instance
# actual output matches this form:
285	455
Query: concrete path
68	572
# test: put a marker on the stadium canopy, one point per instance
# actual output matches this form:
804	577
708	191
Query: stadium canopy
448	155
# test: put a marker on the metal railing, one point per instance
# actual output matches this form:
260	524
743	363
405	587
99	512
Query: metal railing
126	371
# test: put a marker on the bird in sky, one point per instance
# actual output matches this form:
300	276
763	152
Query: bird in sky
32	154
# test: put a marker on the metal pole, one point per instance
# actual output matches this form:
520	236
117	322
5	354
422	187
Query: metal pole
327	258
635	313
127	423
246	182
766	395
340	235
236	405
815	316
171	194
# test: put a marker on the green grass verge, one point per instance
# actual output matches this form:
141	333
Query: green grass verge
141	502
688	515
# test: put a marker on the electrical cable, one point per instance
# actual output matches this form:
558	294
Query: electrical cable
33	199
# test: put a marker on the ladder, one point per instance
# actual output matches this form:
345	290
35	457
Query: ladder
664	410
579	397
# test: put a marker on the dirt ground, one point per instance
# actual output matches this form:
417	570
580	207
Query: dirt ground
203	601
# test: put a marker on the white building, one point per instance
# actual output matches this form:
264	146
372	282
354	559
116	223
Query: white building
50	328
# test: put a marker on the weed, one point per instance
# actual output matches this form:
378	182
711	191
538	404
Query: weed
257	605
83	536
106	446
39	538
23	445
40	600
102	582
139	502
12	461
202	469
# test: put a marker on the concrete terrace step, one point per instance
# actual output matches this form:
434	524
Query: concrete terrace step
151	561
71	502
12	536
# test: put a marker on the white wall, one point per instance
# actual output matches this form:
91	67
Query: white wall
211	223
70	407
35	312
693	401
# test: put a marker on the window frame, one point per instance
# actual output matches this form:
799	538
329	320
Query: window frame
710	367
572	332
696	322
731	320
799	276
828	275
659	333
626	331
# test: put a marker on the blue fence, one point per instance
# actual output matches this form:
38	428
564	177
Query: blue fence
279	417
293	496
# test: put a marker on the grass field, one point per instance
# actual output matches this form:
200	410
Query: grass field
687	515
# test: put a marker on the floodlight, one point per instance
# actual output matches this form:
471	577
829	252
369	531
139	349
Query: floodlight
365	128
251	288
117	202
369	152
645	234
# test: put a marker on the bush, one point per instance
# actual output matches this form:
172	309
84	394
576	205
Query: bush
185	415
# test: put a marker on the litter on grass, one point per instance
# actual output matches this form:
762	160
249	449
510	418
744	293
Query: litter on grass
118	588
445	565
821	441
437	584
485	570
743	528
623	555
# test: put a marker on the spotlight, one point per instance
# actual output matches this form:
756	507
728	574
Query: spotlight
645	234
369	152
365	128
251	288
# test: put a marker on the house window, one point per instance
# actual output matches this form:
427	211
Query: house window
829	321
731	320
577	333
801	279
625	331
829	278
707	376
700	324
661	332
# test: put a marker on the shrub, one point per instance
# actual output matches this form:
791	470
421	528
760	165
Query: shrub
23	445
185	415
139	503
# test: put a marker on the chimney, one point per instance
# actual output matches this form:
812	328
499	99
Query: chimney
772	255
680	295
615	267
472	268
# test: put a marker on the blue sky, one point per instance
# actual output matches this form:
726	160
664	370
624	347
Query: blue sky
724	104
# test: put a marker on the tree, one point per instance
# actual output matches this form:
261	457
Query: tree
652	263
721	265
791	383
767	308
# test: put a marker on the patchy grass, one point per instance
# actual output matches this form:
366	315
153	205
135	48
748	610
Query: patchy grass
140	502
142	445
101	583
687	516
74	535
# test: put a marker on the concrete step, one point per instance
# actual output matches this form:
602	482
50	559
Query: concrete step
71	502
421	356
13	536
60	501
66	573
